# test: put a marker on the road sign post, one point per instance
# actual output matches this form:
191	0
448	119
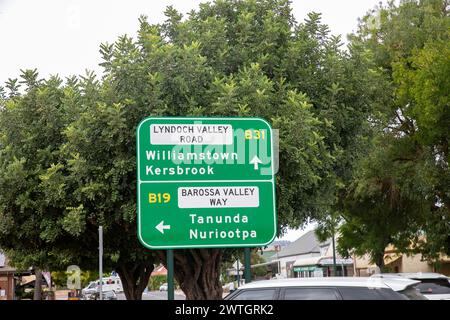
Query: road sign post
205	183
100	261
247	264
170	269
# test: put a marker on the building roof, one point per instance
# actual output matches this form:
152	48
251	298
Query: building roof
267	255
4	267
307	243
7	270
159	271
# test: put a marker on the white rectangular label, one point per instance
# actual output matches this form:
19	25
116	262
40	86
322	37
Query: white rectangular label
218	197
186	134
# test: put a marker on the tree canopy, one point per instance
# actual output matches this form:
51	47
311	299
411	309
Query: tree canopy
67	148
400	192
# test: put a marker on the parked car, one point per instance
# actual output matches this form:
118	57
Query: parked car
163	287
91	288
108	284
329	288
107	295
433	286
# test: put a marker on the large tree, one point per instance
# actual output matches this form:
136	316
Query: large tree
250	58
30	135
400	193
228	58
52	197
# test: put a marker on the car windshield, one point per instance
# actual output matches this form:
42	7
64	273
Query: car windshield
412	293
92	285
434	286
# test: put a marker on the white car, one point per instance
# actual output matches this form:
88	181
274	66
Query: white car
163	287
108	284
433	286
329	288
90	289
106	295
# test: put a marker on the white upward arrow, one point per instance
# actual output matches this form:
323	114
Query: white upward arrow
161	227
255	161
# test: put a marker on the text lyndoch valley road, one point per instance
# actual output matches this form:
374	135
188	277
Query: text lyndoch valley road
205	182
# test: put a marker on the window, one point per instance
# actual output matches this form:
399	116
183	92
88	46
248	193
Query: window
388	294
256	294
311	294
361	293
434	286
411	293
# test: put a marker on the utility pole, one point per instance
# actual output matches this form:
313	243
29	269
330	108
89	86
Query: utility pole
170	270
100	260
334	254
277	249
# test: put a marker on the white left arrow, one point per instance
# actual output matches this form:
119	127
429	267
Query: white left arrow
255	161
161	227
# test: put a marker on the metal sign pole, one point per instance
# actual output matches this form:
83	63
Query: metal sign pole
170	267
172	217
248	271
100	260
334	255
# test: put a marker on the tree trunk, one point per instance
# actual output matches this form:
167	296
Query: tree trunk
134	278
379	261
38	285
197	272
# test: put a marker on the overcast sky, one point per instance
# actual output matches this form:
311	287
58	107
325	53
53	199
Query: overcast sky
63	37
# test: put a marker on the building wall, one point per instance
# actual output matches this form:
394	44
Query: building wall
3	284
326	271
445	269
285	261
362	272
394	266
7	284
362	262
403	264
414	264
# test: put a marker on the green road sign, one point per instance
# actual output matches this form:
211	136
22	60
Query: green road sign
205	182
